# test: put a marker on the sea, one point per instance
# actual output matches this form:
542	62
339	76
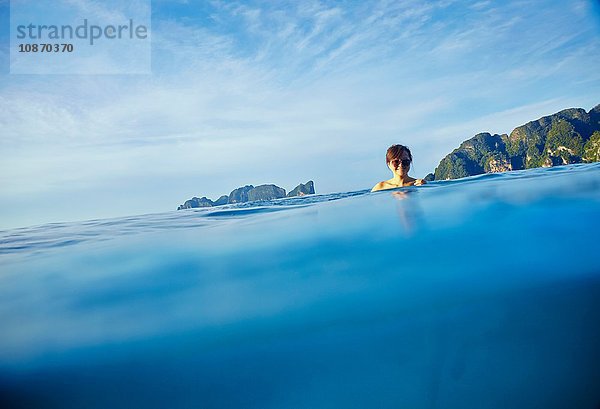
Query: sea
482	292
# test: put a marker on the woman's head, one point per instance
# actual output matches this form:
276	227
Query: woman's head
398	159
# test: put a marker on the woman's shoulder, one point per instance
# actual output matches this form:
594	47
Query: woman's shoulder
379	186
384	185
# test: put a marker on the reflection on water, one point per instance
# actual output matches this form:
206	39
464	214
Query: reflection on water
481	292
409	211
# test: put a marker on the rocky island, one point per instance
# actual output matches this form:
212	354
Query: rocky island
568	136
250	193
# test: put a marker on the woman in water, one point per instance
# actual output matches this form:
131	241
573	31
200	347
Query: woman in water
398	159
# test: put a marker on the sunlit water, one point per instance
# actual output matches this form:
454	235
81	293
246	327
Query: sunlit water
476	293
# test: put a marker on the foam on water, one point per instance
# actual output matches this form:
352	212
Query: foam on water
479	292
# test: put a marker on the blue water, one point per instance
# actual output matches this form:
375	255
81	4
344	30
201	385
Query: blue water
475	293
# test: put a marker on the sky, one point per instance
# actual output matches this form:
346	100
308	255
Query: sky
283	92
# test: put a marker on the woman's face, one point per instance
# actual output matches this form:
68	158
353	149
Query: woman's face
401	165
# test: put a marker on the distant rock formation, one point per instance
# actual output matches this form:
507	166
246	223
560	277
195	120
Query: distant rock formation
569	136
223	200
265	192
195	202
250	193
303	189
240	194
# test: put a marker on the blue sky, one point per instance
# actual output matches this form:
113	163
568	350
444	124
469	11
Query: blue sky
283	92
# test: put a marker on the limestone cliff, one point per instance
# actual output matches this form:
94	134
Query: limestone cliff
307	188
569	136
265	192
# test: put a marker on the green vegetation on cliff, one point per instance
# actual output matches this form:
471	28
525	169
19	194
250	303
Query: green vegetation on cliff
591	150
569	136
482	153
563	142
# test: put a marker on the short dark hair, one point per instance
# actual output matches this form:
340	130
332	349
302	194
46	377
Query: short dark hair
395	152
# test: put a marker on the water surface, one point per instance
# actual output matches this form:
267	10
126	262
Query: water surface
482	292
